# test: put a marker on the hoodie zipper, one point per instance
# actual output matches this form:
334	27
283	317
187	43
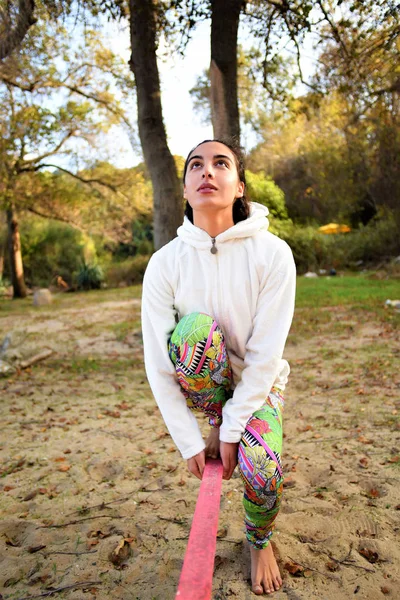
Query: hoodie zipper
214	250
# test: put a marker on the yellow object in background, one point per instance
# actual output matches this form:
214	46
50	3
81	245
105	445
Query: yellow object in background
334	228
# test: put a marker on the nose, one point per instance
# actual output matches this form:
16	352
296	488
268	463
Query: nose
208	171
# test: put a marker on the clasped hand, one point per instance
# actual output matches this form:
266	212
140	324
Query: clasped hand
227	451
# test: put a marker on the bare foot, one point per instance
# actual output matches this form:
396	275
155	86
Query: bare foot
265	575
212	443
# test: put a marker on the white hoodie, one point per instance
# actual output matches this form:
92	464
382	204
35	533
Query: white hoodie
248	287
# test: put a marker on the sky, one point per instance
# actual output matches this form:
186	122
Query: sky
178	75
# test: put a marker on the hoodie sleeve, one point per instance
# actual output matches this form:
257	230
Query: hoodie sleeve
158	323
264	349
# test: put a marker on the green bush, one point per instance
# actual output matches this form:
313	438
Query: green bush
263	189
127	272
51	249
376	242
90	277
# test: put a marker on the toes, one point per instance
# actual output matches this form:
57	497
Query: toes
268	587
257	589
276	581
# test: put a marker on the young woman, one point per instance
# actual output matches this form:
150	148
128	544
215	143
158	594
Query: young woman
217	306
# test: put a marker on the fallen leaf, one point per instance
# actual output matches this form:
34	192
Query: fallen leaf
91	543
123	406
30	495
293	568
121	553
304	429
289	483
60	459
364	440
331	566
33	549
385	590
11	542
112	413
222	532
152	465
369	554
394	459
8	488
64	468
373	493
363	462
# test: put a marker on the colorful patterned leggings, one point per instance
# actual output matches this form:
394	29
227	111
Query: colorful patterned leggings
197	349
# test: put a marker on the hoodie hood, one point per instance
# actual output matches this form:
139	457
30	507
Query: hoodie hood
199	238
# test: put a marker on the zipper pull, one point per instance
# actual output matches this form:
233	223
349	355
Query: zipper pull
214	248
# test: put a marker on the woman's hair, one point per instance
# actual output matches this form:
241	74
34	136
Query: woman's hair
241	207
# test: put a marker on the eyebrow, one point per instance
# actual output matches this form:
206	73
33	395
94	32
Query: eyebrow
215	156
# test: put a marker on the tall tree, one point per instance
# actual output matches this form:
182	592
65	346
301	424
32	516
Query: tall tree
15	21
168	204
223	68
48	106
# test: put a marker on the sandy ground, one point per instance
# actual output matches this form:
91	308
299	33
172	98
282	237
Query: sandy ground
96	502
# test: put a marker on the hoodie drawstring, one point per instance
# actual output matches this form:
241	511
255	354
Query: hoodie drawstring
214	248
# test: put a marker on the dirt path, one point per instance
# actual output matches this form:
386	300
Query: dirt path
95	496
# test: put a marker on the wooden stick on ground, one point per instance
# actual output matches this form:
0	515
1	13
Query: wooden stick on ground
34	359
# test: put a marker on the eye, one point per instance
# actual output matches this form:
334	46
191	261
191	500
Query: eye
222	162
195	164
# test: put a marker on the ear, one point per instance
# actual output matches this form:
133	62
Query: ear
240	190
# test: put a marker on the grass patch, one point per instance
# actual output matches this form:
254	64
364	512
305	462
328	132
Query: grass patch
82	365
72	300
357	290
124	328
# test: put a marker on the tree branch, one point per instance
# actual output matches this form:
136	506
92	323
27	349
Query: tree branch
32	87
335	30
55	150
78	177
15	35
55	218
108	106
296	43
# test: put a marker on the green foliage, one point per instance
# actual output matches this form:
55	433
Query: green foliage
363	247
52	249
263	189
127	272
90	277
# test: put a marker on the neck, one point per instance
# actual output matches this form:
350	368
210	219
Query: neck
214	222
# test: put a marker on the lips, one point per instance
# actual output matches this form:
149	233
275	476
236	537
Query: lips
206	186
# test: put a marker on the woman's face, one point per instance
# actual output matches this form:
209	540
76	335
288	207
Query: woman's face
212	179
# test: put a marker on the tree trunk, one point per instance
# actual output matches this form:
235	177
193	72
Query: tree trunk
14	249
223	69
167	194
11	37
